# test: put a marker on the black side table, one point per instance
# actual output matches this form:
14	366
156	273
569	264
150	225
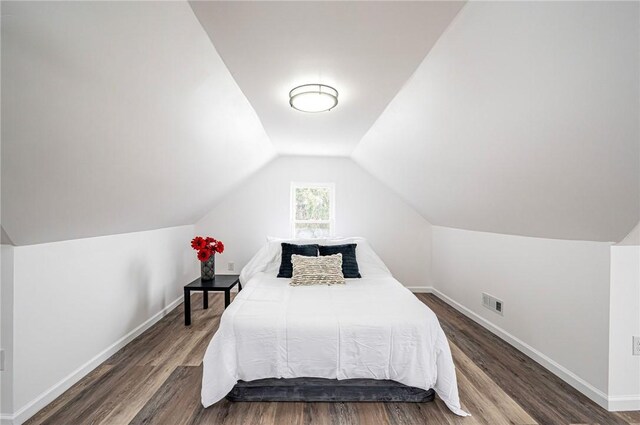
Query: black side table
220	283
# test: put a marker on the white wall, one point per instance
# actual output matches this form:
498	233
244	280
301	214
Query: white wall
75	299
624	322
6	329
555	293
364	207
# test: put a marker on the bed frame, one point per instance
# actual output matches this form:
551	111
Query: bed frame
320	389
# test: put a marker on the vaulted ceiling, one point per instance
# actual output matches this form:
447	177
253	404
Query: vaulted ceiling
366	50
508	117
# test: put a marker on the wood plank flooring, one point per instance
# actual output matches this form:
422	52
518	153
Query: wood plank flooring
156	379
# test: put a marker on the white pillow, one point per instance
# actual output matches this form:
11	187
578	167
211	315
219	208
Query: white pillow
267	259
369	263
274	249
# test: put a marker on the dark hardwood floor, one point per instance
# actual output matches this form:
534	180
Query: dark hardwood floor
156	380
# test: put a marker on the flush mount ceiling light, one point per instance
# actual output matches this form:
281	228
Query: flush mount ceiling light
313	98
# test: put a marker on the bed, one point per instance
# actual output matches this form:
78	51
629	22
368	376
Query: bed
371	328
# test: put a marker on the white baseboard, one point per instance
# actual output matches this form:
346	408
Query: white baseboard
624	403
56	390
560	371
420	289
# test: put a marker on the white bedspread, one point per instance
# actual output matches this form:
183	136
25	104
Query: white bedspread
369	328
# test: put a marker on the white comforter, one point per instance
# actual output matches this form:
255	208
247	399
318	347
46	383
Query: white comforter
369	328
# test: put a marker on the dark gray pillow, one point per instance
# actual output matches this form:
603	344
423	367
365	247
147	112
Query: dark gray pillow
288	249
349	263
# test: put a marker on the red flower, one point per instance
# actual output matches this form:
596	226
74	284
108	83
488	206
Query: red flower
204	254
206	247
198	243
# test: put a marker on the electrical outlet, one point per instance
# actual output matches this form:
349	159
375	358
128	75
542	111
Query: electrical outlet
231	266
636	345
499	306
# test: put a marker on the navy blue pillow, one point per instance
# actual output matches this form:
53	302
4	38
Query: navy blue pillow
288	249
349	262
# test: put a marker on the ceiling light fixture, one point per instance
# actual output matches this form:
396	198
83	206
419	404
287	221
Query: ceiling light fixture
313	98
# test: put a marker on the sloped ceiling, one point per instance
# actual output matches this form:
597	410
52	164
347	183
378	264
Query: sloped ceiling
366	50
124	116
116	117
523	119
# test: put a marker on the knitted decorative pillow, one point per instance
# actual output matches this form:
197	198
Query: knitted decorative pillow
325	270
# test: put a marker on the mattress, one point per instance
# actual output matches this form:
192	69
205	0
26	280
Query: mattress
369	328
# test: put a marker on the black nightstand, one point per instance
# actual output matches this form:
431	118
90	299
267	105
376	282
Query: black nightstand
221	283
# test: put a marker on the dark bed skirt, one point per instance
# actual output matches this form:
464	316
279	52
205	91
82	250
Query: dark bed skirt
320	389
